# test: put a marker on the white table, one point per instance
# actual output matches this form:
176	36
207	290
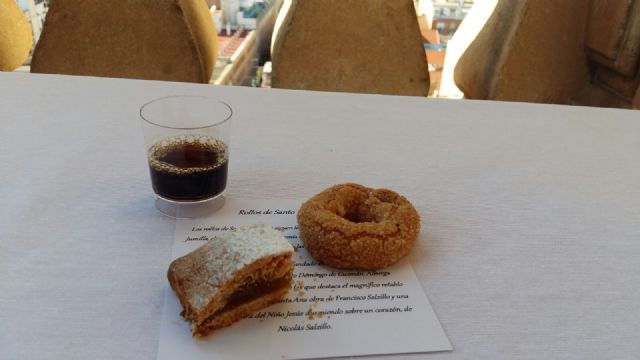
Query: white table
531	213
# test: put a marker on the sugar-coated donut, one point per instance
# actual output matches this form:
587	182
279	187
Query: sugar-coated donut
350	226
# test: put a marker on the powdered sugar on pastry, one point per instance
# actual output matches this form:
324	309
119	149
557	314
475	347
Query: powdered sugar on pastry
232	276
229	253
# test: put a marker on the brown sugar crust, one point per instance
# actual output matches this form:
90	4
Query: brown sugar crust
350	226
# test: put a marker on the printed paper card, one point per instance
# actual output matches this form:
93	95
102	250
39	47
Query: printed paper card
327	313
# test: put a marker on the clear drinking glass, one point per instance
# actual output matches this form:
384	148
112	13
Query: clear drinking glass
187	141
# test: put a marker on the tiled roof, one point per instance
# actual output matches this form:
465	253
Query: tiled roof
431	36
436	57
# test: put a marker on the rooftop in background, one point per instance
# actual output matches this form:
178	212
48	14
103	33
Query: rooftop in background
436	52
430	37
229	43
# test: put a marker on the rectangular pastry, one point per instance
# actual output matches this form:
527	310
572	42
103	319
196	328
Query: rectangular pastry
232	276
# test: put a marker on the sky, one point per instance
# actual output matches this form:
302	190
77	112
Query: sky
23	5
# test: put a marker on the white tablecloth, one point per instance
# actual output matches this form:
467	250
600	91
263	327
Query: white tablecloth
531	212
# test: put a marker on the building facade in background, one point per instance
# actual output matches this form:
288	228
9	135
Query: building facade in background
447	16
439	20
244	35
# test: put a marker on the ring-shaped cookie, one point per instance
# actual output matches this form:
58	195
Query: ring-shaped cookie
350	226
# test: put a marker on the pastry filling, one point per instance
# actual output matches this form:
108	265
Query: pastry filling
252	291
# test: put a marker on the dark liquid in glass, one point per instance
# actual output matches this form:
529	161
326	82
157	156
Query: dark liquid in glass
188	171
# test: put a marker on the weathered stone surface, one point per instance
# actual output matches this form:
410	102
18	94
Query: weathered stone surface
171	40
635	103
594	95
607	26
371	46
613	37
526	52
548	51
15	36
624	87
465	34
